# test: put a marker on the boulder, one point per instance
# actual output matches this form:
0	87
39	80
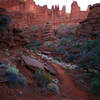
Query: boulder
34	64
50	69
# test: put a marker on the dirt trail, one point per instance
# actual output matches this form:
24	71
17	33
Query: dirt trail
68	87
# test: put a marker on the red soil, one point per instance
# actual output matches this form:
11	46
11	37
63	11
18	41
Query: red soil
68	86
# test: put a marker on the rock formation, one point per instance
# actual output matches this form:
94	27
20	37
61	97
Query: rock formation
76	14
91	25
26	13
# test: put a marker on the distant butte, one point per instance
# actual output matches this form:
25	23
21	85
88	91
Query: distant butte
26	13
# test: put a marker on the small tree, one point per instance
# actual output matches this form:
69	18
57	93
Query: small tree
90	54
5	20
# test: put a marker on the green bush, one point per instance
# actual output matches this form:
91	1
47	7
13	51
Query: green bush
58	58
60	50
43	78
66	28
5	20
95	85
90	54
53	87
67	40
60	36
33	45
78	45
51	45
12	70
4	65
22	80
71	57
63	41
13	77
35	27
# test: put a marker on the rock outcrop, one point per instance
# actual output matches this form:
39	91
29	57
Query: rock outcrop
34	64
91	25
26	13
76	14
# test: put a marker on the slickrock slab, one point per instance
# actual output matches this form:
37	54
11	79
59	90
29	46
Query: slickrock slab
34	64
50	69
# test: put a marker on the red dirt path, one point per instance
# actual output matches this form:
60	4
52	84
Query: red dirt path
68	87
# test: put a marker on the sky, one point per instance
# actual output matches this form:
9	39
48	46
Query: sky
82	3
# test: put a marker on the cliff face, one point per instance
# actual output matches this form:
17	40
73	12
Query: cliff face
76	14
26	13
91	25
23	6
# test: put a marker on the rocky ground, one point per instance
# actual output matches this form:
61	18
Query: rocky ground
69	89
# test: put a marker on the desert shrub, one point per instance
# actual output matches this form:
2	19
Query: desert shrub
63	41
53	87
90	54
35	27
63	29
58	58
30	45
60	36
5	20
12	70
37	44
34	49
56	81
68	40
22	80
71	38
95	85
71	57
60	49
51	45
37	74
11	75
91	44
2	65
66	54
98	37
78	45
75	27
33	45
43	78
66	28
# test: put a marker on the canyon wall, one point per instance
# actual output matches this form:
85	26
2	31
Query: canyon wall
91	25
76	14
25	13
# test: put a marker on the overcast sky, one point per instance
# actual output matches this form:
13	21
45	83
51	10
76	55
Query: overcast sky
82	3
